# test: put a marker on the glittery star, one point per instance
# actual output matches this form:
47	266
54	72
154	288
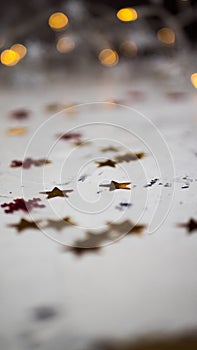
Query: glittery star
108	162
117	185
56	192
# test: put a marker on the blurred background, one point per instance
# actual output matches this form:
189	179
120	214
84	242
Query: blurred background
85	36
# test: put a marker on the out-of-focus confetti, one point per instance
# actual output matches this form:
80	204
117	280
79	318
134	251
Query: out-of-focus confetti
16	131
21	204
25	224
70	136
20	114
28	162
127	157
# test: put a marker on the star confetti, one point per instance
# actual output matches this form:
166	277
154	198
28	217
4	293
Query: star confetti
191	225
176	95
117	185
70	136
93	241
127	157
126	227
57	107
20	114
81	251
109	149
56	192
81	143
25	224
108	162
21	204
16	131
59	224
28	162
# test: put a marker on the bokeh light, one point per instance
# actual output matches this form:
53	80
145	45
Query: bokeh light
166	36
65	44
9	58
108	57
58	20
127	14
128	48
20	49
194	79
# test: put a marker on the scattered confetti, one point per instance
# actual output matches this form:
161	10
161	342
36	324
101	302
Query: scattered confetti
81	251
175	95
123	205
59	224
44	313
70	136
20	114
16	131
82	178
21	204
127	157
93	241
109	149
191	225
108	162
25	224
28	162
117	185
56	192
152	182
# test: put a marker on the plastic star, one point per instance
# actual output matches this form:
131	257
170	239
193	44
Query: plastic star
25	224
108	162
127	157
59	224
191	225
81	251
56	192
117	185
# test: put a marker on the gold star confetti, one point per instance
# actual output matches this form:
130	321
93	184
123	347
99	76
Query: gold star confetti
16	131
117	185
59	224
108	162
56	192
127	157
191	225
25	224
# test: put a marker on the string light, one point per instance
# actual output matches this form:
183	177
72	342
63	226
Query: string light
20	49
194	79
166	36
9	58
65	44
58	20
108	57
127	14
